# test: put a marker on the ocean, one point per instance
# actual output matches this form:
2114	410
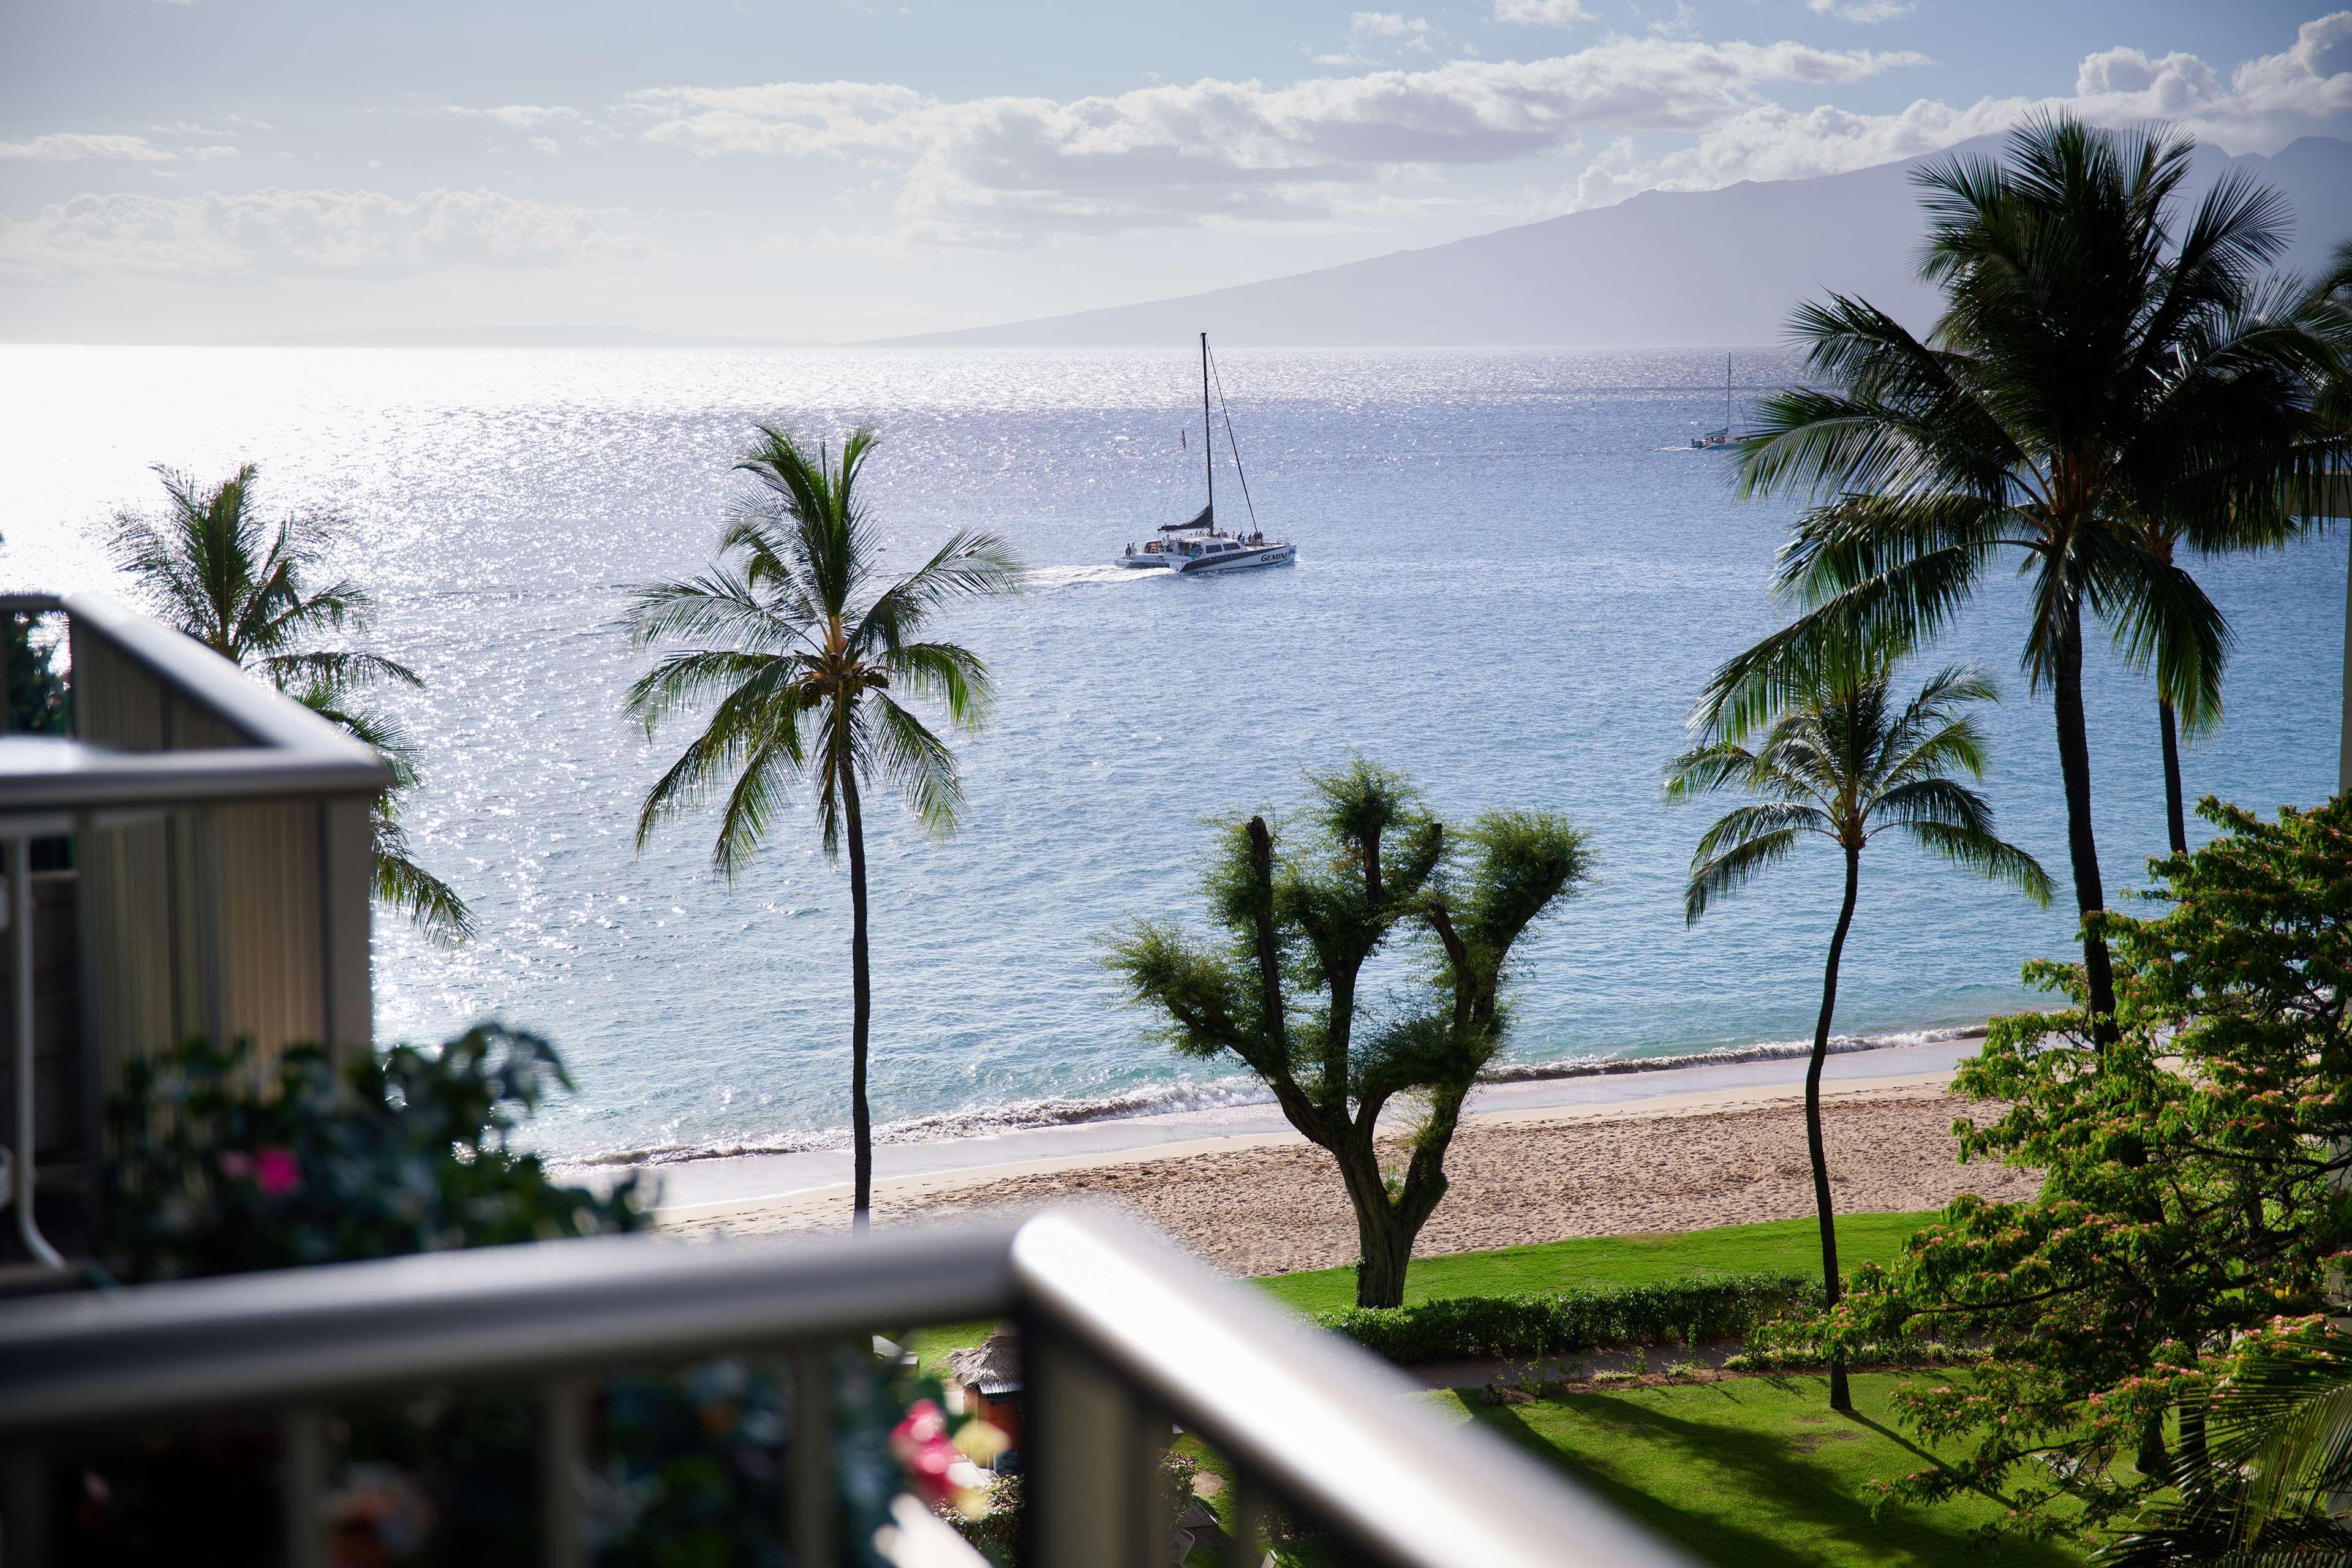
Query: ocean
1514	575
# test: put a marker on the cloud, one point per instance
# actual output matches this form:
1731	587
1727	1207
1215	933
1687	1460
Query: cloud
1001	168
1863	11
282	232
1390	25
522	116
2266	101
1541	13
68	147
2259	106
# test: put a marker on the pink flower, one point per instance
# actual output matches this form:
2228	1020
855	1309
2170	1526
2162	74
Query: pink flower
276	1172
921	1445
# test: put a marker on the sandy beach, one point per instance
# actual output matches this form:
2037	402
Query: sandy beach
1274	1204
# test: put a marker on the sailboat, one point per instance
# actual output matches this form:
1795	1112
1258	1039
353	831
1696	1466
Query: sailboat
1723	437
1199	546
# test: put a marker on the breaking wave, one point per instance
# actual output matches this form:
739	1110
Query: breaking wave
1167	1100
1763	1051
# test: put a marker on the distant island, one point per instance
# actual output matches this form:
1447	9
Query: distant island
1663	270
518	337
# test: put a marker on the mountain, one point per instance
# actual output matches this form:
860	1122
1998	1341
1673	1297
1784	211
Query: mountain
1661	270
527	337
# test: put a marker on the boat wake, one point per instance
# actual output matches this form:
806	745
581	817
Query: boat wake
990	1121
1043	579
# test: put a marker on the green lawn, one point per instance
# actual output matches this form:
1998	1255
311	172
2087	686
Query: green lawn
1758	1472
1791	1244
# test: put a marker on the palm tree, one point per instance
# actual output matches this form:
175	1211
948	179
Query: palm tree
245	589
1839	761
803	668
2334	501
2090	370
2265	1482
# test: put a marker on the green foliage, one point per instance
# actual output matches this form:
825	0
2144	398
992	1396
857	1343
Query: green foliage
2107	355
1297	916
801	663
222	1168
1845	762
248	590
2264	1483
36	692
2191	1188
1569	1322
218	1169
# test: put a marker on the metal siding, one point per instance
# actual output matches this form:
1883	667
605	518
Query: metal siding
247	920
272	977
128	984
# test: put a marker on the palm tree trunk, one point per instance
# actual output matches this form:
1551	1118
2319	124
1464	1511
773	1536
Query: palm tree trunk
2074	768
861	1013
2175	818
1840	1399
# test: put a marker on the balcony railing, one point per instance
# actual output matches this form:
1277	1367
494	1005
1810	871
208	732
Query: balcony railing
222	871
1124	1341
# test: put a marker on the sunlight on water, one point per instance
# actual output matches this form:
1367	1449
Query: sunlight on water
1514	574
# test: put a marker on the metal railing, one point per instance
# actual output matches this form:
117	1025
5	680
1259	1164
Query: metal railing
1124	1341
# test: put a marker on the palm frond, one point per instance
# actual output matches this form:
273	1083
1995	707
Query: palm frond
969	563
917	763
1993	858
401	882
1717	877
954	675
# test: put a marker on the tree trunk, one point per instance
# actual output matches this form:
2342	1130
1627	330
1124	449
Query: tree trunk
2175	818
1384	1244
861	1013
2075	767
1840	1398
1387	1253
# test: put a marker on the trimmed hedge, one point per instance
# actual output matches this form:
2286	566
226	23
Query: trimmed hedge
1570	1323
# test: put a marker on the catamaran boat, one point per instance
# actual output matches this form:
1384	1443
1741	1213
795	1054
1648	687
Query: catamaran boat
1723	437
1200	546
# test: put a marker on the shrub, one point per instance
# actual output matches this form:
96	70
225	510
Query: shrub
1569	1322
405	1152
222	1167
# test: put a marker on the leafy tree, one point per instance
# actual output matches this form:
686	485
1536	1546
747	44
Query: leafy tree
2267	1485
2098	364
1278	986
36	692
248	590
1846	763
803	666
2193	1182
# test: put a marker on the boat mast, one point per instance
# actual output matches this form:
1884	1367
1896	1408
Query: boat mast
1726	397
1208	441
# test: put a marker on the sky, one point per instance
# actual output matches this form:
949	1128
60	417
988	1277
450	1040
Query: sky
226	170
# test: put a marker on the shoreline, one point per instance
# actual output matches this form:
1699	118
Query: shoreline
801	1191
1230	1095
1267	1206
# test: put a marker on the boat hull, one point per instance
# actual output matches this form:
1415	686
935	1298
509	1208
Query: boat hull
1141	562
1239	561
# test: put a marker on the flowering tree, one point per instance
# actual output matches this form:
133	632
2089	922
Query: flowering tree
2193	1189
